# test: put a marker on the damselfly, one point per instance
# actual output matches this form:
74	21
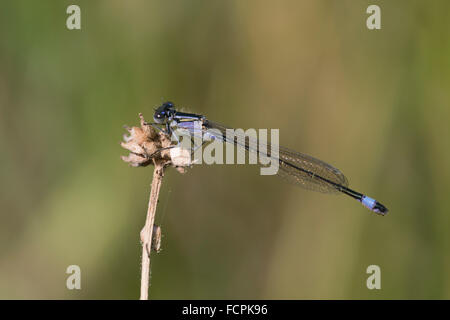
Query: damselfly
300	169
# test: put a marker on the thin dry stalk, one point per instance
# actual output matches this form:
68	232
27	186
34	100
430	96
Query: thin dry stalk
147	231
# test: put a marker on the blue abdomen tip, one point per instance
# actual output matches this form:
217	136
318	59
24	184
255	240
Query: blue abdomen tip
374	205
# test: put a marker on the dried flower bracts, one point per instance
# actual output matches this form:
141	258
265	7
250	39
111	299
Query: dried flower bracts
148	146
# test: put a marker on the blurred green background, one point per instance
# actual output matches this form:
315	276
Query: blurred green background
375	104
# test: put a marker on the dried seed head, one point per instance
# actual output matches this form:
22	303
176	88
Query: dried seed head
148	146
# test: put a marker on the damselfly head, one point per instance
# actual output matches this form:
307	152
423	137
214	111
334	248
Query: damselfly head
164	112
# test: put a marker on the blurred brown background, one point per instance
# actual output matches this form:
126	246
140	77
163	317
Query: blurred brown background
373	103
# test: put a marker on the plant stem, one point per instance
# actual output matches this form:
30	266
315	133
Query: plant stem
147	231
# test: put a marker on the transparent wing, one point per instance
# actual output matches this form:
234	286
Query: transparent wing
315	169
297	168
